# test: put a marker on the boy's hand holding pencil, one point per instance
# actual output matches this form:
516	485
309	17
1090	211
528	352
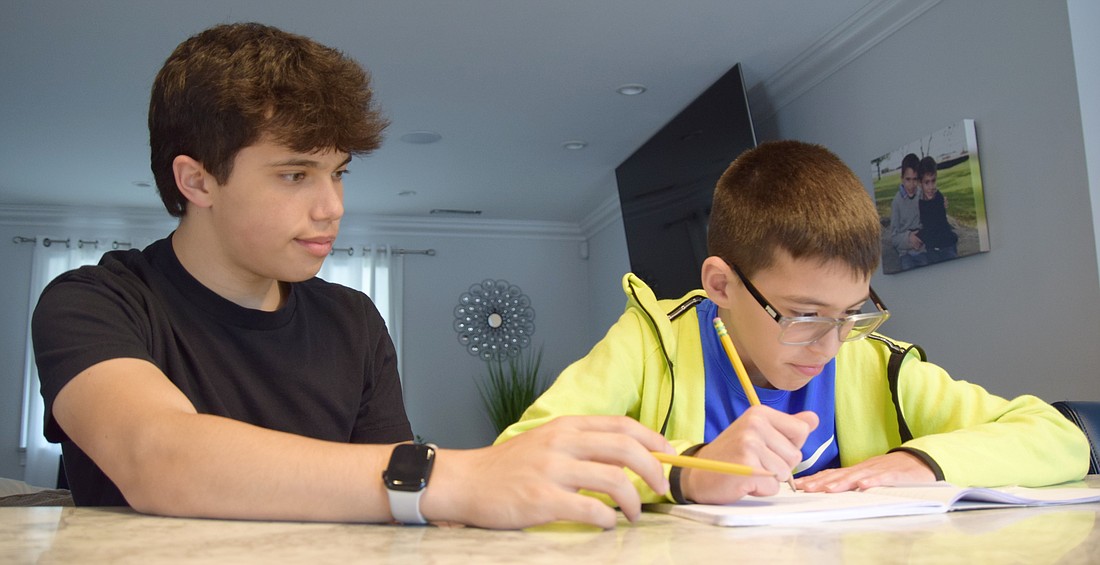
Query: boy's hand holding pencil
767	440
763	439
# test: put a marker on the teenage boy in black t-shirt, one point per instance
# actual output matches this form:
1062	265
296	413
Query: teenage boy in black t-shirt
212	375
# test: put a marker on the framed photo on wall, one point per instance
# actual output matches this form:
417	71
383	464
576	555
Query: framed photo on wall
930	199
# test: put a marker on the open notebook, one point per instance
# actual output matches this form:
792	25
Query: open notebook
808	507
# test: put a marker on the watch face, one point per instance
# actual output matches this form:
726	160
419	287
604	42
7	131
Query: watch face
409	468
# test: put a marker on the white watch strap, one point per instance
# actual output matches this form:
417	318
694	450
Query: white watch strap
405	506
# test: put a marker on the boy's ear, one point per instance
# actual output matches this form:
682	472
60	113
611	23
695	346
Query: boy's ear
718	279
192	180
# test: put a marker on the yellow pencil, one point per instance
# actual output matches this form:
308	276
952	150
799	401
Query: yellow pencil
735	359
739	369
709	465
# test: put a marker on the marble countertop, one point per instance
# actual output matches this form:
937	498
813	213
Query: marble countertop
1069	534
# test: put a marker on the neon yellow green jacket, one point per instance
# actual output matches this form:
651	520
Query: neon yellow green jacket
973	437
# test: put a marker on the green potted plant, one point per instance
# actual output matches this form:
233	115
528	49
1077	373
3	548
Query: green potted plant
513	384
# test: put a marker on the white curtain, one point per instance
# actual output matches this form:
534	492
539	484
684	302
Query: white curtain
377	271
52	256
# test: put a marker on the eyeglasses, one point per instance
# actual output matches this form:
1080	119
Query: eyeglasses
804	330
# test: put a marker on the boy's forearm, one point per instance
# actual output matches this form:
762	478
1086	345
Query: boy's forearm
166	458
207	466
900	240
1030	448
978	438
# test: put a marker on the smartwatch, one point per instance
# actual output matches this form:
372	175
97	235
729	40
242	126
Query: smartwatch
406	477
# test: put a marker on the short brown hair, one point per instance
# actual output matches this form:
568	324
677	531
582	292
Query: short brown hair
226	87
911	162
797	197
927	167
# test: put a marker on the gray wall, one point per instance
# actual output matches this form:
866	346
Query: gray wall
607	262
441	397
1024	317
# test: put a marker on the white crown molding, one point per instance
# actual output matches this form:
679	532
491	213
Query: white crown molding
459	227
355	225
601	217
86	217
855	36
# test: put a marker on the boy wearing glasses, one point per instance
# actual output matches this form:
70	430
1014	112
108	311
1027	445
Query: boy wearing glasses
793	241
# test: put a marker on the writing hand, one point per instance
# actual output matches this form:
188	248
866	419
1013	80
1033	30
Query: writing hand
883	470
762	437
534	477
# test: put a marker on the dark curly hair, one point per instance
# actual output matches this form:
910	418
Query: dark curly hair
231	85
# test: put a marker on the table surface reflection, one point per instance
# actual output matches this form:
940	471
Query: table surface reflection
1067	534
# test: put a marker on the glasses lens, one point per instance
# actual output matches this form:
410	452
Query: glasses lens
862	326
801	332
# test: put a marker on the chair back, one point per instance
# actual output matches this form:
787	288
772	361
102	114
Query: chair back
1086	415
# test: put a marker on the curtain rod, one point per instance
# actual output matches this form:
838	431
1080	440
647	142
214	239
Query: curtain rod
397	251
80	242
116	244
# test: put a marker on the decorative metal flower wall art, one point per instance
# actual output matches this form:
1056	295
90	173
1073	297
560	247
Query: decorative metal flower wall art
494	319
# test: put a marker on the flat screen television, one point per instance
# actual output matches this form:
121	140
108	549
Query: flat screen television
665	187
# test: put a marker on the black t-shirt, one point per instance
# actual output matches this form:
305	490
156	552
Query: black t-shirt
936	232
322	366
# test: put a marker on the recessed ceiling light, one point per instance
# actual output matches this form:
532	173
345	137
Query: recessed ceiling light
422	137
575	145
631	89
453	212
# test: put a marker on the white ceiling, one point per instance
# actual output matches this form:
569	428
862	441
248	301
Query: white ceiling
505	82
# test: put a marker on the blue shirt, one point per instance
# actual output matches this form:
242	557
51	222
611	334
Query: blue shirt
726	399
